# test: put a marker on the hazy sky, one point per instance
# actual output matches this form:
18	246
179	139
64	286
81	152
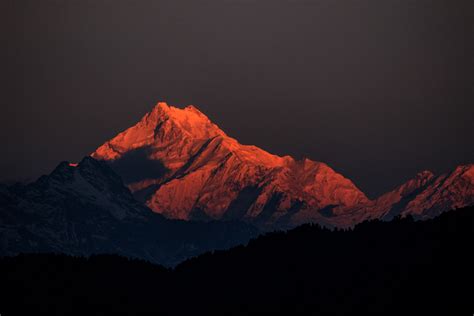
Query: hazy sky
379	90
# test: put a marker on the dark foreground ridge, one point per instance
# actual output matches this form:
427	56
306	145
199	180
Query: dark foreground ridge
399	267
85	209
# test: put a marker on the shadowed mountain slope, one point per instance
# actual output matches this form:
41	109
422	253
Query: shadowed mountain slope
84	209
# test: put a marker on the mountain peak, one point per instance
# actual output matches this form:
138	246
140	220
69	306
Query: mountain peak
88	166
160	109
183	166
466	170
194	109
420	180
161	105
428	195
424	174
170	111
164	126
189	120
207	173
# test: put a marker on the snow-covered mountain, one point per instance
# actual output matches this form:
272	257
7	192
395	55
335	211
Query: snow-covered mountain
198	172
428	195
180	167
183	166
84	208
425	196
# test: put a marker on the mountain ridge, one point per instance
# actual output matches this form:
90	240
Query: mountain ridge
207	170
205	174
84	209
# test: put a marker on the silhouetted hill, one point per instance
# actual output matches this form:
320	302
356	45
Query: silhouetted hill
398	267
83	209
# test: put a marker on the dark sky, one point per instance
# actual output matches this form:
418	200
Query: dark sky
379	90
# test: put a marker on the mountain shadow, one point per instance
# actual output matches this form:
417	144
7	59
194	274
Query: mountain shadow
240	205
135	165
378	268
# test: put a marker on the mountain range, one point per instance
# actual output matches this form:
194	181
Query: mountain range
181	165
174	186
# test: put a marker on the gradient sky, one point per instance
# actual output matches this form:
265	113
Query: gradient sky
379	90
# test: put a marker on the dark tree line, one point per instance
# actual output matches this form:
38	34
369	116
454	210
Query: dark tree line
399	267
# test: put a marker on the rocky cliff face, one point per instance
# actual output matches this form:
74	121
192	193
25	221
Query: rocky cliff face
206	174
